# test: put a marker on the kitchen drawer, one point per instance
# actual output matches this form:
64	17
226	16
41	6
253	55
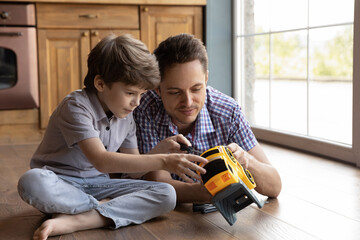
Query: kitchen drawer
92	16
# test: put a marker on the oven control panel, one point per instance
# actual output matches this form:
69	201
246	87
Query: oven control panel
17	14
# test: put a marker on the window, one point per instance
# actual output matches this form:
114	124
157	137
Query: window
294	73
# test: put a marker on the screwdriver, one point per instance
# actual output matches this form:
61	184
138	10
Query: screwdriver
184	147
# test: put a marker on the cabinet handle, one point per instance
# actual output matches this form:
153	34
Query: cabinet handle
4	15
145	9
85	34
11	34
95	33
88	16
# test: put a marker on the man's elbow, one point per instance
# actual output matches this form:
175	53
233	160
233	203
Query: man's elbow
274	190
271	190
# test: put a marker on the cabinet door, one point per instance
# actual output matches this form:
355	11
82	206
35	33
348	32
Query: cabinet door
160	22
97	35
62	66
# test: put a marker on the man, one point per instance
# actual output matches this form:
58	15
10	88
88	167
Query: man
185	110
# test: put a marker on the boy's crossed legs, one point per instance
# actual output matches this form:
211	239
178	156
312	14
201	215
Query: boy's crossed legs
75	201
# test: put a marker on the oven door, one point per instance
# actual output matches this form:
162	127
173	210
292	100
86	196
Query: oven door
18	68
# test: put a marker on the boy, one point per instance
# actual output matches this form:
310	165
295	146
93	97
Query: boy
69	176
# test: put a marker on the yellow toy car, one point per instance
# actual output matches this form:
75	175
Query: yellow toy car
228	182
223	169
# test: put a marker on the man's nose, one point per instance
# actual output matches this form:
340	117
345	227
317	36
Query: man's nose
187	99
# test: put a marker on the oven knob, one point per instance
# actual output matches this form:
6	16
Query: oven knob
4	15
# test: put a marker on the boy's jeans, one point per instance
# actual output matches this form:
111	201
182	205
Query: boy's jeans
133	201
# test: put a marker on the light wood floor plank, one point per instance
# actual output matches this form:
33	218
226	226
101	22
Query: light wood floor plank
320	200
254	224
182	223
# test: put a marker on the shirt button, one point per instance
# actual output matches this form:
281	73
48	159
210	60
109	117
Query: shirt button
107	128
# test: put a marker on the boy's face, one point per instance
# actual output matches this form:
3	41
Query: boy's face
183	90
120	99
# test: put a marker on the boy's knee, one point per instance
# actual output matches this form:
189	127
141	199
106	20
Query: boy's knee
169	196
35	182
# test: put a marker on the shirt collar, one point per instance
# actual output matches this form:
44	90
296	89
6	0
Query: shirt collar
96	105
203	123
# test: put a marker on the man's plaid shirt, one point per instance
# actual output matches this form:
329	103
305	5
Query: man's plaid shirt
220	122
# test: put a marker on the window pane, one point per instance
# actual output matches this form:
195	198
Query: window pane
262	16
330	89
288	14
296	66
288	87
326	12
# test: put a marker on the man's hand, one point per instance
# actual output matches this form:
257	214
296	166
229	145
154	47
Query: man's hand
268	181
170	145
240	155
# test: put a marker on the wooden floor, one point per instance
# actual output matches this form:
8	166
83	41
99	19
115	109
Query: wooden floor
320	200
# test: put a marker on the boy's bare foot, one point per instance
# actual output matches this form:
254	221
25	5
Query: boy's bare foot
63	224
104	200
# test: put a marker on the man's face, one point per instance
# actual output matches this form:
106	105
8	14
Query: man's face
183	90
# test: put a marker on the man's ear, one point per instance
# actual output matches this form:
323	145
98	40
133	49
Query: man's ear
99	83
206	77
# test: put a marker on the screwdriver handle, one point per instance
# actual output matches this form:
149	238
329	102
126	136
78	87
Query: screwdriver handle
184	147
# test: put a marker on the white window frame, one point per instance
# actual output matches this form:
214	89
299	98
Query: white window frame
342	152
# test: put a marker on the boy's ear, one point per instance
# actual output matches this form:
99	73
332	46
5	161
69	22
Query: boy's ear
99	83
157	90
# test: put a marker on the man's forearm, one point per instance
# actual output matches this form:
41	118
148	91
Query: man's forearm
186	192
267	179
190	192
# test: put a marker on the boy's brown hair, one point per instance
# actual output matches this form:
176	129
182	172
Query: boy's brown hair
181	48
122	59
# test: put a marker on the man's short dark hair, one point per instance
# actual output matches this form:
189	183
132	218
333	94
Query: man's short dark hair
122	59
181	48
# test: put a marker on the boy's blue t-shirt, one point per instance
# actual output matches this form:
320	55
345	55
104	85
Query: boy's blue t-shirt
78	117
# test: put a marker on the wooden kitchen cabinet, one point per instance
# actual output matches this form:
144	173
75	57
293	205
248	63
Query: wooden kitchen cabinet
61	65
97	35
160	22
67	32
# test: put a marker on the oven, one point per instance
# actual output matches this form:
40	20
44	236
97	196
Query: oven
18	57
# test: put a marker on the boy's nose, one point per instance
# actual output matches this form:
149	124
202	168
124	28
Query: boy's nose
136	100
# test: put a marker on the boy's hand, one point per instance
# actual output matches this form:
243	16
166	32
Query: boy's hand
182	165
